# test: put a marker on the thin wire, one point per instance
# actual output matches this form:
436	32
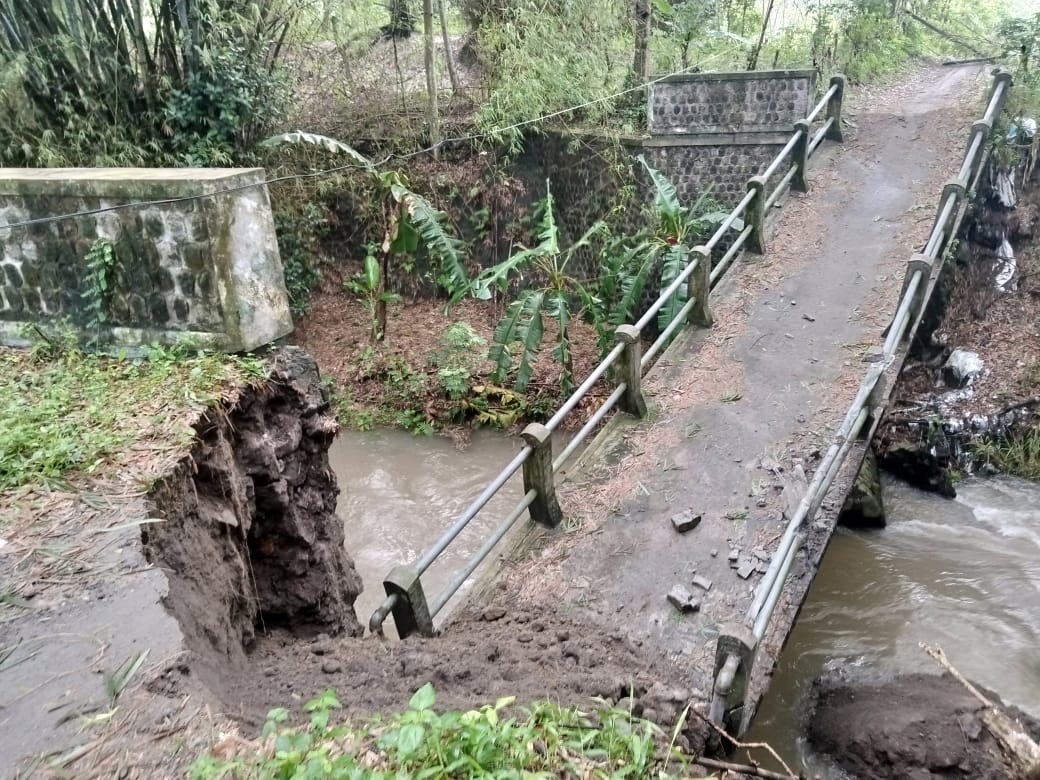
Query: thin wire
339	169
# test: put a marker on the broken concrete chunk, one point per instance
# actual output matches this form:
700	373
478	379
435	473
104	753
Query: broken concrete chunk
746	569
681	598
734	555
714	553
761	553
702	582
685	521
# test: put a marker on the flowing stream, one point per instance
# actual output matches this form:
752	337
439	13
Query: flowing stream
962	574
399	492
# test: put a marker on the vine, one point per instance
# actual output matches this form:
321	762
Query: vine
100	260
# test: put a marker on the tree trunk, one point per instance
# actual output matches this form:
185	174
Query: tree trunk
432	114
641	60
456	87
402	22
753	59
379	326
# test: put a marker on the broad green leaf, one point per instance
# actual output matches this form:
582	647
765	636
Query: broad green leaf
372	273
664	7
410	738
675	261
322	141
424	698
666	198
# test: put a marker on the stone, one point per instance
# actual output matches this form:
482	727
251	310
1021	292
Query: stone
864	506
961	367
685	521
331	666
746	569
734	555
681	598
702	582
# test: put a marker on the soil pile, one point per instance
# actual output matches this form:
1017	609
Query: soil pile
916	726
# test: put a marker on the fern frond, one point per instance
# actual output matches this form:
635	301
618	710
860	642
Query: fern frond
322	141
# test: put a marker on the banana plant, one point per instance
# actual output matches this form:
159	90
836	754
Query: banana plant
558	296
411	221
370	292
675	227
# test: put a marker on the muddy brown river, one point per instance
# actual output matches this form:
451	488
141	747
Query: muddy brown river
961	574
399	492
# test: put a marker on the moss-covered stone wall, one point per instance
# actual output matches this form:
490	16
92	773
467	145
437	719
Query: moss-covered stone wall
203	268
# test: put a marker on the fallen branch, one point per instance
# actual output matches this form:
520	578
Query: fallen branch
1023	753
747	745
745	769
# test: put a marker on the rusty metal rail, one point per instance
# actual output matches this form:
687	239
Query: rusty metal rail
737	644
405	597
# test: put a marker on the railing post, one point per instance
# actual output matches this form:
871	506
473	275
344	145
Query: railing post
875	403
800	156
631	371
538	476
737	641
834	108
999	76
411	612
959	189
698	286
924	264
983	127
756	215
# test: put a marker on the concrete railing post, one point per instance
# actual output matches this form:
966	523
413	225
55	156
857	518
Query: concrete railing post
698	286
983	127
738	641
538	475
958	188
924	264
755	216
800	156
411	612
630	371
1001	76
834	108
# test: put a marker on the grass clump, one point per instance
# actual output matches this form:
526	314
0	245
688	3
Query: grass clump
1018	455
542	741
63	410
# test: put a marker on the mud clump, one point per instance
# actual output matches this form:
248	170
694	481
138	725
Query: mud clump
249	535
915	726
531	654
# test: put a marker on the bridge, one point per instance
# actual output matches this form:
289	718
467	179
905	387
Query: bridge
698	514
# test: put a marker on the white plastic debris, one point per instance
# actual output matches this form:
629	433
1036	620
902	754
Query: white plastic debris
1008	265
961	367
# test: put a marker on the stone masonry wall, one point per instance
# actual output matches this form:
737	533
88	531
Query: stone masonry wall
754	101
728	167
207	269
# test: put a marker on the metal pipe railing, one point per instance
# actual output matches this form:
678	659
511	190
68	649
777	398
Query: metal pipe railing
471	511
726	259
478	557
820	134
732	217
774	166
768	593
674	325
781	188
588	427
599	372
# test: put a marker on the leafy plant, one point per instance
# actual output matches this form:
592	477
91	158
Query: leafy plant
299	230
100	261
120	82
522	329
409	221
496	740
461	353
371	291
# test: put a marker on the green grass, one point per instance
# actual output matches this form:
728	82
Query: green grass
63	411
1018	455
496	741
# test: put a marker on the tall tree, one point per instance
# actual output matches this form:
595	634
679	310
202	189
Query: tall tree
432	113
641	60
402	20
